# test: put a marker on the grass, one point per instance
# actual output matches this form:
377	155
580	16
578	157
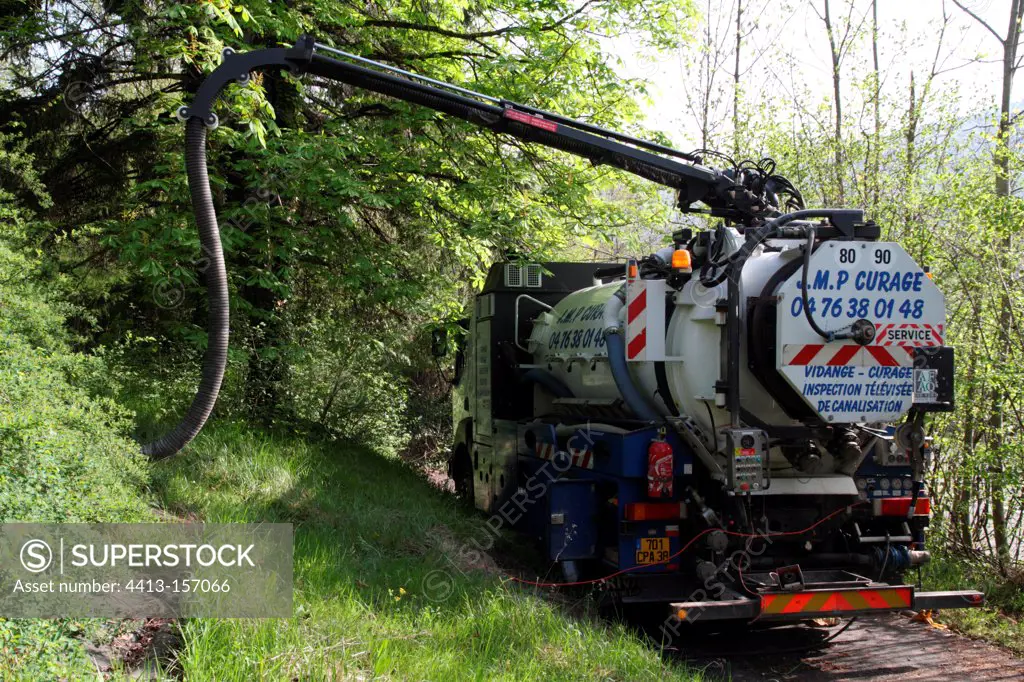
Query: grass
373	543
381	586
64	457
1000	621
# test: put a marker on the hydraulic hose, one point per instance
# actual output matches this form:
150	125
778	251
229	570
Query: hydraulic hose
548	381
829	336
216	357
616	345
695	183
805	268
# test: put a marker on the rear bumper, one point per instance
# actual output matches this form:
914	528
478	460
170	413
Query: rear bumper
822	603
957	599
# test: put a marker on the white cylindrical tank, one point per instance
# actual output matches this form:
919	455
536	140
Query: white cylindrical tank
833	375
568	341
838	380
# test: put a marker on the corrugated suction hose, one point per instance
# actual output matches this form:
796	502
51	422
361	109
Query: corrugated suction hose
616	347
216	357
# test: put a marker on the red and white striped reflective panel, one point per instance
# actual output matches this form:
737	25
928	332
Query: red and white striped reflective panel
581	457
845	354
914	335
815	602
544	450
636	317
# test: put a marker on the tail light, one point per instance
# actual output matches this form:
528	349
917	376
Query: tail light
899	506
654	511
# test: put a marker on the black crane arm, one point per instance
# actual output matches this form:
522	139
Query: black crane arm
736	194
658	163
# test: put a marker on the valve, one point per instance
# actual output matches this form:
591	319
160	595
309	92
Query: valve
706	512
862	332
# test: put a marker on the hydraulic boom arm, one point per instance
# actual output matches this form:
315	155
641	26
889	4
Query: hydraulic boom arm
746	194
723	192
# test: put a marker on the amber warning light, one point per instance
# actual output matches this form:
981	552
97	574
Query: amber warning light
681	261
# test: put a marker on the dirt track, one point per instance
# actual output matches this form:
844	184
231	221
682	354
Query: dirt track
879	648
890	647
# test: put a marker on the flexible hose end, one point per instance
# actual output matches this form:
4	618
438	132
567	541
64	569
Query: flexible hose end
215	360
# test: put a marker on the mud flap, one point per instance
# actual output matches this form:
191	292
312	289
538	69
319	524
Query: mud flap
572	519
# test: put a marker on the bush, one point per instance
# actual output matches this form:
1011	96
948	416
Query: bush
348	380
64	454
428	415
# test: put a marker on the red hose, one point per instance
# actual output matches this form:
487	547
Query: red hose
686	547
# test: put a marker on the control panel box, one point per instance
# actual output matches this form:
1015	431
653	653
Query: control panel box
747	451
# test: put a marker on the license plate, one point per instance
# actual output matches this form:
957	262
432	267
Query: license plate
651	551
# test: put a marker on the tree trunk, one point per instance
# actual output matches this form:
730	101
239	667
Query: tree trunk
910	153
267	376
877	152
736	82
961	506
838	101
707	76
1002	186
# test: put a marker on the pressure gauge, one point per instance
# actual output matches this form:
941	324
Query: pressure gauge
884	483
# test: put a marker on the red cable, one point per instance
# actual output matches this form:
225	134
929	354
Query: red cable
686	547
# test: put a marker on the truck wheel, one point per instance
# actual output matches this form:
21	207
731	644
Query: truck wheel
462	475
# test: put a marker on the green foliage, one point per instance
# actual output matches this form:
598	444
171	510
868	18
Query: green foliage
1001	620
342	212
352	384
18	173
39	649
428	418
349	220
925	171
65	454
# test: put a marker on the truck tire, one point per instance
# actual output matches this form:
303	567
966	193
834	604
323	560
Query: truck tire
461	471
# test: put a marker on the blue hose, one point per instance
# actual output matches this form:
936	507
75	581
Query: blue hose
616	346
624	381
547	380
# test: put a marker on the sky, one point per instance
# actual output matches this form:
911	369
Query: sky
794	52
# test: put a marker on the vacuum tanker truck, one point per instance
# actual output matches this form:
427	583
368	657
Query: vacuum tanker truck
730	428
734	443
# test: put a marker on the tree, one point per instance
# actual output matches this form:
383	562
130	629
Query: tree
1001	165
334	202
1010	63
704	97
841	39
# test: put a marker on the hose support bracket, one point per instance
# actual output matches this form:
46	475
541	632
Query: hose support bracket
236	66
